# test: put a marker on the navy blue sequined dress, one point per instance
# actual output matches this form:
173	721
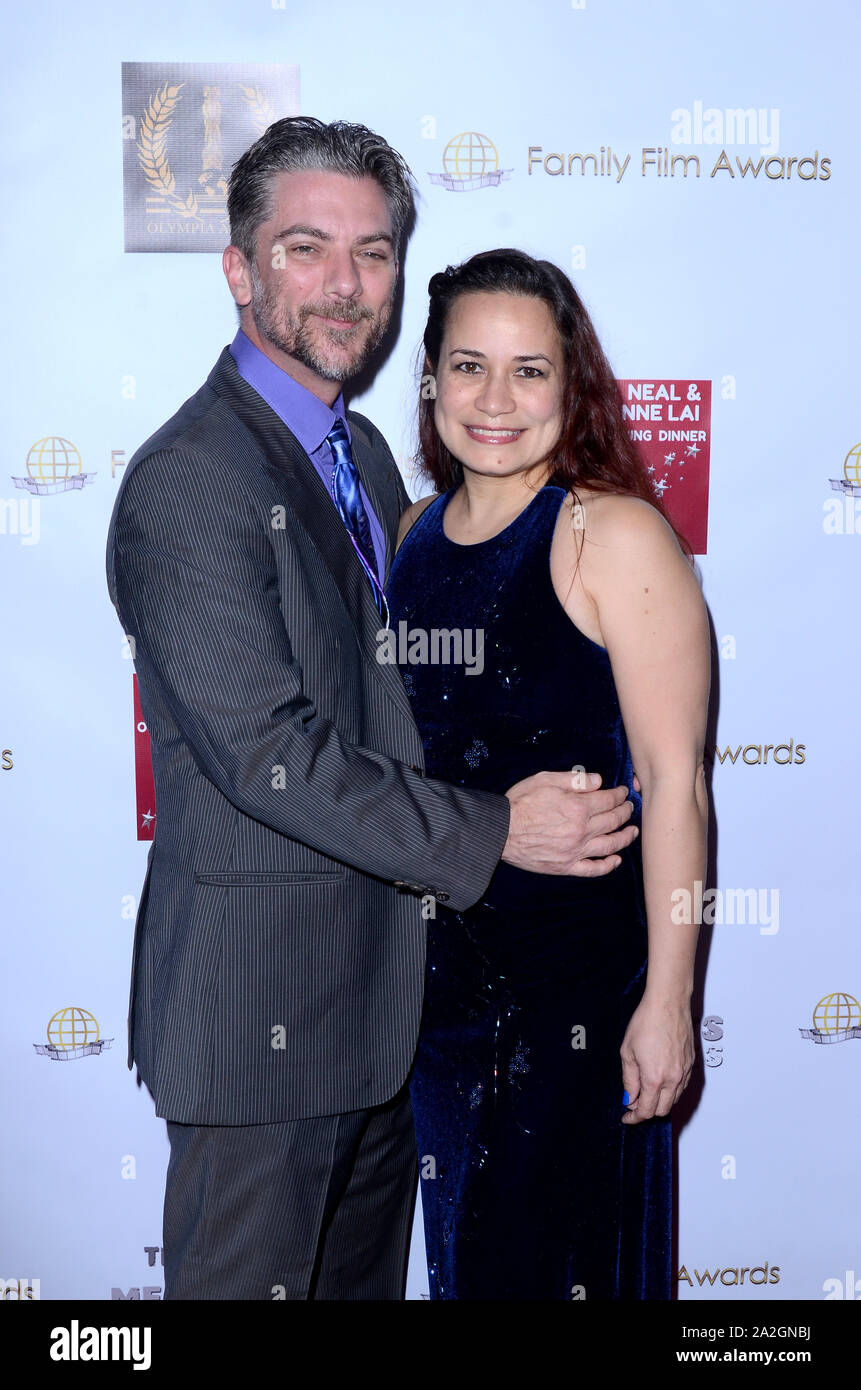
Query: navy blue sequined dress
532	1188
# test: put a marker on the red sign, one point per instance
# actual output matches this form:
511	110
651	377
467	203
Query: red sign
670	422
144	784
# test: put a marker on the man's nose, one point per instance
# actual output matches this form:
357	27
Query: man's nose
342	274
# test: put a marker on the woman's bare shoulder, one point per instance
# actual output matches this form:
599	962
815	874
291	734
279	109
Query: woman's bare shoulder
613	519
412	514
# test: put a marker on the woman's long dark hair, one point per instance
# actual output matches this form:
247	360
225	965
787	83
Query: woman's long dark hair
594	449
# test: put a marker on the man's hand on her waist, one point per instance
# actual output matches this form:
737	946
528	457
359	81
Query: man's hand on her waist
566	823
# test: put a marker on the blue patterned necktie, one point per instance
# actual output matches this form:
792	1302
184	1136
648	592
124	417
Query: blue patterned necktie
348	500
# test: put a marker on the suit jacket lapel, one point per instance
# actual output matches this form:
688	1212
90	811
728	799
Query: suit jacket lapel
316	511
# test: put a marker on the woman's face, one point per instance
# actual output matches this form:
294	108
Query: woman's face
499	383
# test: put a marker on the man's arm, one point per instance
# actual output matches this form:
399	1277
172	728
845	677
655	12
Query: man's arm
195	588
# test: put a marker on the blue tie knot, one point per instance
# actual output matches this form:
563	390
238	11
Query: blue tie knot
339	442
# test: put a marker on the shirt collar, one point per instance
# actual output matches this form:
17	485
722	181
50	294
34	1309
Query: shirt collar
304	414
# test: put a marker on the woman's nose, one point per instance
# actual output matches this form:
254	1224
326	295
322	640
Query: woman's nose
495	397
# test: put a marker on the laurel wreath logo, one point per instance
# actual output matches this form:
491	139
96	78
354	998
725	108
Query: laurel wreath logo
151	145
154	126
262	112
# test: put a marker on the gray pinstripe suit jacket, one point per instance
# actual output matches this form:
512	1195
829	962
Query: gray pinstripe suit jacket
295	831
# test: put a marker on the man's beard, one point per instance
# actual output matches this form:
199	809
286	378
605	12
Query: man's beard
290	332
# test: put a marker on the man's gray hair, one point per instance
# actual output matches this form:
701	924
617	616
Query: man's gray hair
304	143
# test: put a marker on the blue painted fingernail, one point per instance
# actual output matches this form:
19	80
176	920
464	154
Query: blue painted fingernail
626	1099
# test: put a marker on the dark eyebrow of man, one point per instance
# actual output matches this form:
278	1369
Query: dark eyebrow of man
300	229
521	357
374	236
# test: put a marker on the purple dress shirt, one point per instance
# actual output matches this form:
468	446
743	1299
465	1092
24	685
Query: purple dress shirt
306	416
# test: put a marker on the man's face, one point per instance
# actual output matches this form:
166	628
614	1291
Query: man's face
320	291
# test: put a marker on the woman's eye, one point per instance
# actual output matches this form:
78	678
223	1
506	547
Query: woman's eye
472	368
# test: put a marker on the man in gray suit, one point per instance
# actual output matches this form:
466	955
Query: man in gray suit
279	946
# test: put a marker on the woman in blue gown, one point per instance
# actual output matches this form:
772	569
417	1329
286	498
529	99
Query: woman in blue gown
555	623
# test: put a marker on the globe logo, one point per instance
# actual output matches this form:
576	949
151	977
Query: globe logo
836	1018
470	161
53	460
72	1033
852	466
72	1028
468	155
851	480
53	465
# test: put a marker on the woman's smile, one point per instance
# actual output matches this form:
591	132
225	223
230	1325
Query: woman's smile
483	435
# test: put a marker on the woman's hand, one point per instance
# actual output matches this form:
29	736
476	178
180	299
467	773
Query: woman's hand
657	1057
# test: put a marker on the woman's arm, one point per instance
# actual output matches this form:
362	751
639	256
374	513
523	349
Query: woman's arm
410	516
653	622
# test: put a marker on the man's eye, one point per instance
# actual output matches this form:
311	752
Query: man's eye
303	248
375	255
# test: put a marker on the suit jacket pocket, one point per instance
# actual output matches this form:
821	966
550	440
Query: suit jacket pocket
265	879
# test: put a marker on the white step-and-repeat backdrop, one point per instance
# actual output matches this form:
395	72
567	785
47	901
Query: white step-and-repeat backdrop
695	168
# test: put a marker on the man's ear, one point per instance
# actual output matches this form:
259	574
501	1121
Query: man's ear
238	275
